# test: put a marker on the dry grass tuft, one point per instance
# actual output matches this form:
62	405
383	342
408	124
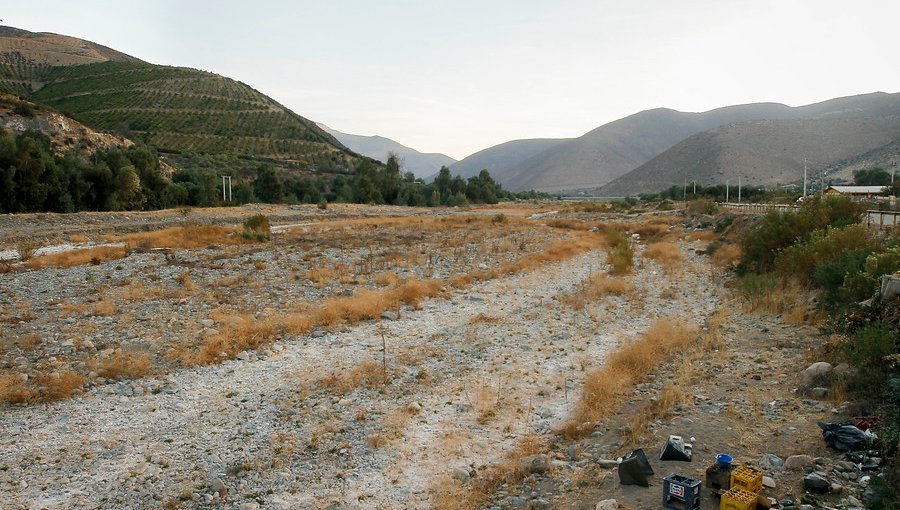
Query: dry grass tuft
104	307
448	493
123	364
188	237
237	333
76	238
13	388
77	257
595	288
728	255
368	373
59	385
628	366
667	254
482	318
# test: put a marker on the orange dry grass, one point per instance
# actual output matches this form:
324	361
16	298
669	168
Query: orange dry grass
77	257
595	288
666	254
604	386
583	242
728	255
13	389
321	275
123	365
237	333
59	385
367	373
189	236
448	493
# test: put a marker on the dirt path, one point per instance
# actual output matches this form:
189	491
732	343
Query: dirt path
299	427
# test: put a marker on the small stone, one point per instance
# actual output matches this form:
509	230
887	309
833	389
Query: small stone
795	462
836	488
539	504
854	502
769	482
537	464
243	356
815	483
208	323
461	475
317	333
388	315
216	485
770	462
249	506
607	504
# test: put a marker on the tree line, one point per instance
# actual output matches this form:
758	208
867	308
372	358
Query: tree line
33	179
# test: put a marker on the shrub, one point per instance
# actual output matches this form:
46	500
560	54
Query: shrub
870	347
322	205
828	245
26	250
257	228
619	252
499	218
725	255
24	109
723	223
123	365
781	229
702	206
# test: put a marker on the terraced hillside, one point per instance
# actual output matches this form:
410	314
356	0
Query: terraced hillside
176	109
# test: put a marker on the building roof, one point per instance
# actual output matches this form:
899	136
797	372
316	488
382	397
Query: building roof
858	190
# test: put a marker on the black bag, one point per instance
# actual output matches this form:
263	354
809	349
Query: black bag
844	437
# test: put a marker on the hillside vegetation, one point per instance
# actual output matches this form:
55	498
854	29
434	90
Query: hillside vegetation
175	109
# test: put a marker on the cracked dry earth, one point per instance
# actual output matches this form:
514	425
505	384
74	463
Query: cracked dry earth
468	377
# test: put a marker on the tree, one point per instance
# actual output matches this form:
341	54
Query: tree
268	185
872	177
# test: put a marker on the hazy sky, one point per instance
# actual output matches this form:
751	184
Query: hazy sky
458	76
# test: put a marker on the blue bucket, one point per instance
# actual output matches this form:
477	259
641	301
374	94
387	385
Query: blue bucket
723	460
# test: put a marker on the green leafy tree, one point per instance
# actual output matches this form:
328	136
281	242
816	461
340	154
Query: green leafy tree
872	177
268	185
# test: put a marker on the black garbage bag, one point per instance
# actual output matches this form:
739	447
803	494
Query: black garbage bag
675	449
635	469
844	437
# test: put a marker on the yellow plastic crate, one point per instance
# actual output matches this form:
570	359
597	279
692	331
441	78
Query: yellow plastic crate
747	478
737	499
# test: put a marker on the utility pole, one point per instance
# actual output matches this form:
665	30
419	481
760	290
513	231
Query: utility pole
739	189
726	191
684	192
228	178
804	177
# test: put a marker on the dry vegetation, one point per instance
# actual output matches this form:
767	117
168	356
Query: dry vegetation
666	253
595	288
626	367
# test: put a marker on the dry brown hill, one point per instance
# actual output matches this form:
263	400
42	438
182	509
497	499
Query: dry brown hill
616	148
769	152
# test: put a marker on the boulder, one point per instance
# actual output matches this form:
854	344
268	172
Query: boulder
817	374
607	504
816	483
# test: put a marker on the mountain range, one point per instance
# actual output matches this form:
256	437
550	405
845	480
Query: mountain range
421	164
182	110
668	146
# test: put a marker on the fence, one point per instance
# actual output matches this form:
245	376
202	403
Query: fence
873	218
757	208
882	219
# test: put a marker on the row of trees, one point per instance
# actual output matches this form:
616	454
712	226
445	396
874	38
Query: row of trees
34	179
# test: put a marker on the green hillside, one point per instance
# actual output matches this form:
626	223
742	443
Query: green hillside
179	109
175	109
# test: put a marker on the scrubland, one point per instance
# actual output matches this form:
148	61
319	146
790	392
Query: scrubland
361	360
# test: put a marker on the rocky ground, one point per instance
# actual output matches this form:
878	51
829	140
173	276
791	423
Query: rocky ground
751	399
380	414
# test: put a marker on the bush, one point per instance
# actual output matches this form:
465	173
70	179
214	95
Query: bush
779	230
257	228
869	349
24	109
825	246
322	205
702	206
723	223
499	218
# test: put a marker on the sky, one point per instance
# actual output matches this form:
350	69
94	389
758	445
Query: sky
460	76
